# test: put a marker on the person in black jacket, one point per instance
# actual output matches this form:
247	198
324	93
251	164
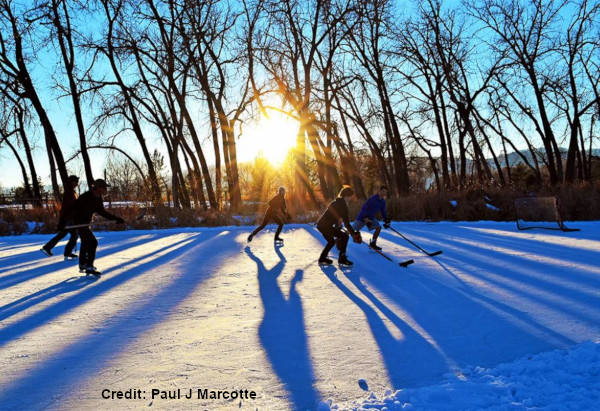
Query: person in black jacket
84	209
330	225
64	218
276	212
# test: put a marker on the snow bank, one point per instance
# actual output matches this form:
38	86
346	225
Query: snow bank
559	379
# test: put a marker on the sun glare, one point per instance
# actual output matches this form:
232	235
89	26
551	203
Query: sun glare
272	137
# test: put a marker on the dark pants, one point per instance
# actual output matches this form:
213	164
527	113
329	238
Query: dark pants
62	233
331	234
89	243
270	215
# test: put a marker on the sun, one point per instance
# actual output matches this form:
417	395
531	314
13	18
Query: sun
271	137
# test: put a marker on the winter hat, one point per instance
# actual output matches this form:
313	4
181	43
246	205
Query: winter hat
100	183
346	191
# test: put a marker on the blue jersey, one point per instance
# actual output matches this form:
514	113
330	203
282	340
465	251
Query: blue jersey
371	207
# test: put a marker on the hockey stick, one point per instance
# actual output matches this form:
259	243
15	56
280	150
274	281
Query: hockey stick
402	264
416	245
89	224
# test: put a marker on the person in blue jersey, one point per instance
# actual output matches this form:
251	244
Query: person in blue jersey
366	216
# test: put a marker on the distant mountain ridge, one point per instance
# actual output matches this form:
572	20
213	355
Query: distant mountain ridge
514	158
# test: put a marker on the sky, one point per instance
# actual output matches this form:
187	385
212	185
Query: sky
272	141
270	138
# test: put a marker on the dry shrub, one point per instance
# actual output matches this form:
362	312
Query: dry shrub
421	207
306	217
46	220
212	218
187	217
163	216
579	202
250	208
12	222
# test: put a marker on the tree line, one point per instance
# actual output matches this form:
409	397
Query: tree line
446	86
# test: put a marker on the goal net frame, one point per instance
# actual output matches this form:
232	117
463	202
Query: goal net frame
543	212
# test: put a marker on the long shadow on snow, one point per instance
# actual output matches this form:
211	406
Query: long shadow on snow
53	377
36	241
519	268
403	358
520	262
25	241
21	277
66	286
587	231
519	316
44	316
463	329
283	334
467	330
569	253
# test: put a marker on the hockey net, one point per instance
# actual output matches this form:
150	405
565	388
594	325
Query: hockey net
540	212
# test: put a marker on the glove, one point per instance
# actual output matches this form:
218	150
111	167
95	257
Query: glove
357	238
386	223
119	220
369	223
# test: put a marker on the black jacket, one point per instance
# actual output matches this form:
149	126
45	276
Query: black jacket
86	206
278	203
337	209
69	198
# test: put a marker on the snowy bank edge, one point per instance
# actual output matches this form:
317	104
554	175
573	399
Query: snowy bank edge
566	378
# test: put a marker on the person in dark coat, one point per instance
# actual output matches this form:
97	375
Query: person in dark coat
65	218
366	216
330	225
84	209
276	212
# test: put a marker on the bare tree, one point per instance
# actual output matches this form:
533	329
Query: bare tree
577	101
288	44
56	15
209	40
369	43
18	81
110	47
524	37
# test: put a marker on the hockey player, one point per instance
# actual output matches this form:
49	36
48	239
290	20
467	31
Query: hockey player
330	225
276	212
84	209
64	218
366	216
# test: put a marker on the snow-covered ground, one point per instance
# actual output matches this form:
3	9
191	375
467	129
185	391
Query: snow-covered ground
501	320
